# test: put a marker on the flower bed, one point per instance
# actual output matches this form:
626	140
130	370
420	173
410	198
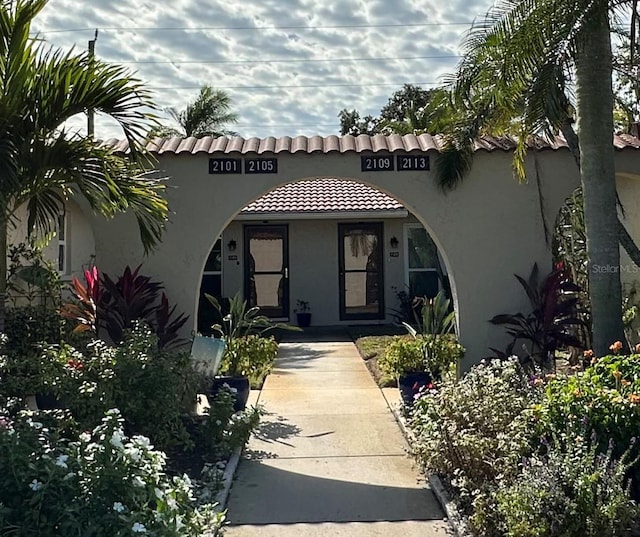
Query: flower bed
127	453
536	455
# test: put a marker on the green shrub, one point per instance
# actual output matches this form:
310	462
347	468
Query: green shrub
28	326
402	356
102	484
572	490
153	389
441	353
251	355
223	430
475	430
604	398
435	354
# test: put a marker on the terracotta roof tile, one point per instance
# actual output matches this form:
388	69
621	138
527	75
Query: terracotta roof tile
344	144
321	196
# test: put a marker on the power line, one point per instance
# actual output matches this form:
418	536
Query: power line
294	86
201	28
296	60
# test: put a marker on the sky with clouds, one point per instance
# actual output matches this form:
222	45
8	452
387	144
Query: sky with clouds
289	66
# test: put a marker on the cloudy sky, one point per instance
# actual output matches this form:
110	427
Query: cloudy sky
289	66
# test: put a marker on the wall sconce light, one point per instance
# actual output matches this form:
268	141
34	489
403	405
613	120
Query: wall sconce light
394	243
232	245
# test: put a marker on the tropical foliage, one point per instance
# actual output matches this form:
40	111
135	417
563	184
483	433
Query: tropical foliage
237	328
42	162
105	306
553	322
545	42
207	115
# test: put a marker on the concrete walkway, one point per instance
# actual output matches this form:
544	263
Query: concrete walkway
329	458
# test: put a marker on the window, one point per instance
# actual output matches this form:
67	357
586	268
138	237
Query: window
61	233
211	285
421	262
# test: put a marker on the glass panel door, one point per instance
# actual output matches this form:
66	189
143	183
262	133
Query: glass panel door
361	278
267	270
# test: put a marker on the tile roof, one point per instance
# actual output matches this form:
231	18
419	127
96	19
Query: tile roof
342	144
323	196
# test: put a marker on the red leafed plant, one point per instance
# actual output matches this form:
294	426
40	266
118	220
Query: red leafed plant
553	319
85	311
112	306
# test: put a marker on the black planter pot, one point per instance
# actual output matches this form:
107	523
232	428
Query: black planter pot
304	319
240	384
410	384
48	401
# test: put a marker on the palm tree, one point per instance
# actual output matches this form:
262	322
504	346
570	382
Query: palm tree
515	73
42	162
206	116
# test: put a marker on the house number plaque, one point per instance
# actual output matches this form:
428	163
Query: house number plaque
413	162
225	165
376	163
261	165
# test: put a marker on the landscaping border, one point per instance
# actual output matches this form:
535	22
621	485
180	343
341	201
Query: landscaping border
232	464
455	518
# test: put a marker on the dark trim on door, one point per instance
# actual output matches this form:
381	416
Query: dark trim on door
377	229
282	312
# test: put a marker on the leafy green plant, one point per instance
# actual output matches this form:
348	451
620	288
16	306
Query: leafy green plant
474	431
100	483
605	398
572	489
223	429
302	306
153	389
251	356
29	326
402	356
236	325
32	280
553	320
440	348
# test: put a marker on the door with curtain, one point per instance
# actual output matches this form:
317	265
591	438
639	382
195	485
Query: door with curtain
361	275
267	269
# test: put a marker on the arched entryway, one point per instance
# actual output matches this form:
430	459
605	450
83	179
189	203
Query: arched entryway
345	251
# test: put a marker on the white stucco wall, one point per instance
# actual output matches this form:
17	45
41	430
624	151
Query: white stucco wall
489	228
80	244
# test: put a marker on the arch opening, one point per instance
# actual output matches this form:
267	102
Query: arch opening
346	251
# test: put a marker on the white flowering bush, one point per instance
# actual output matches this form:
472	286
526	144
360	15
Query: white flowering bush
153	389
474	431
100	484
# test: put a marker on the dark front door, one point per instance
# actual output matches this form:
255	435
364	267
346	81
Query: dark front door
267	269
361	278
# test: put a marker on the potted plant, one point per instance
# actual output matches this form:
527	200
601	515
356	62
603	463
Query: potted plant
404	361
303	313
240	329
439	347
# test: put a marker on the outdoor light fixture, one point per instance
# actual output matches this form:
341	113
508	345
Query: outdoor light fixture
394	243
232	245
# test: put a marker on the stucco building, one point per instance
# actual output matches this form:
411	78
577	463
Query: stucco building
344	223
